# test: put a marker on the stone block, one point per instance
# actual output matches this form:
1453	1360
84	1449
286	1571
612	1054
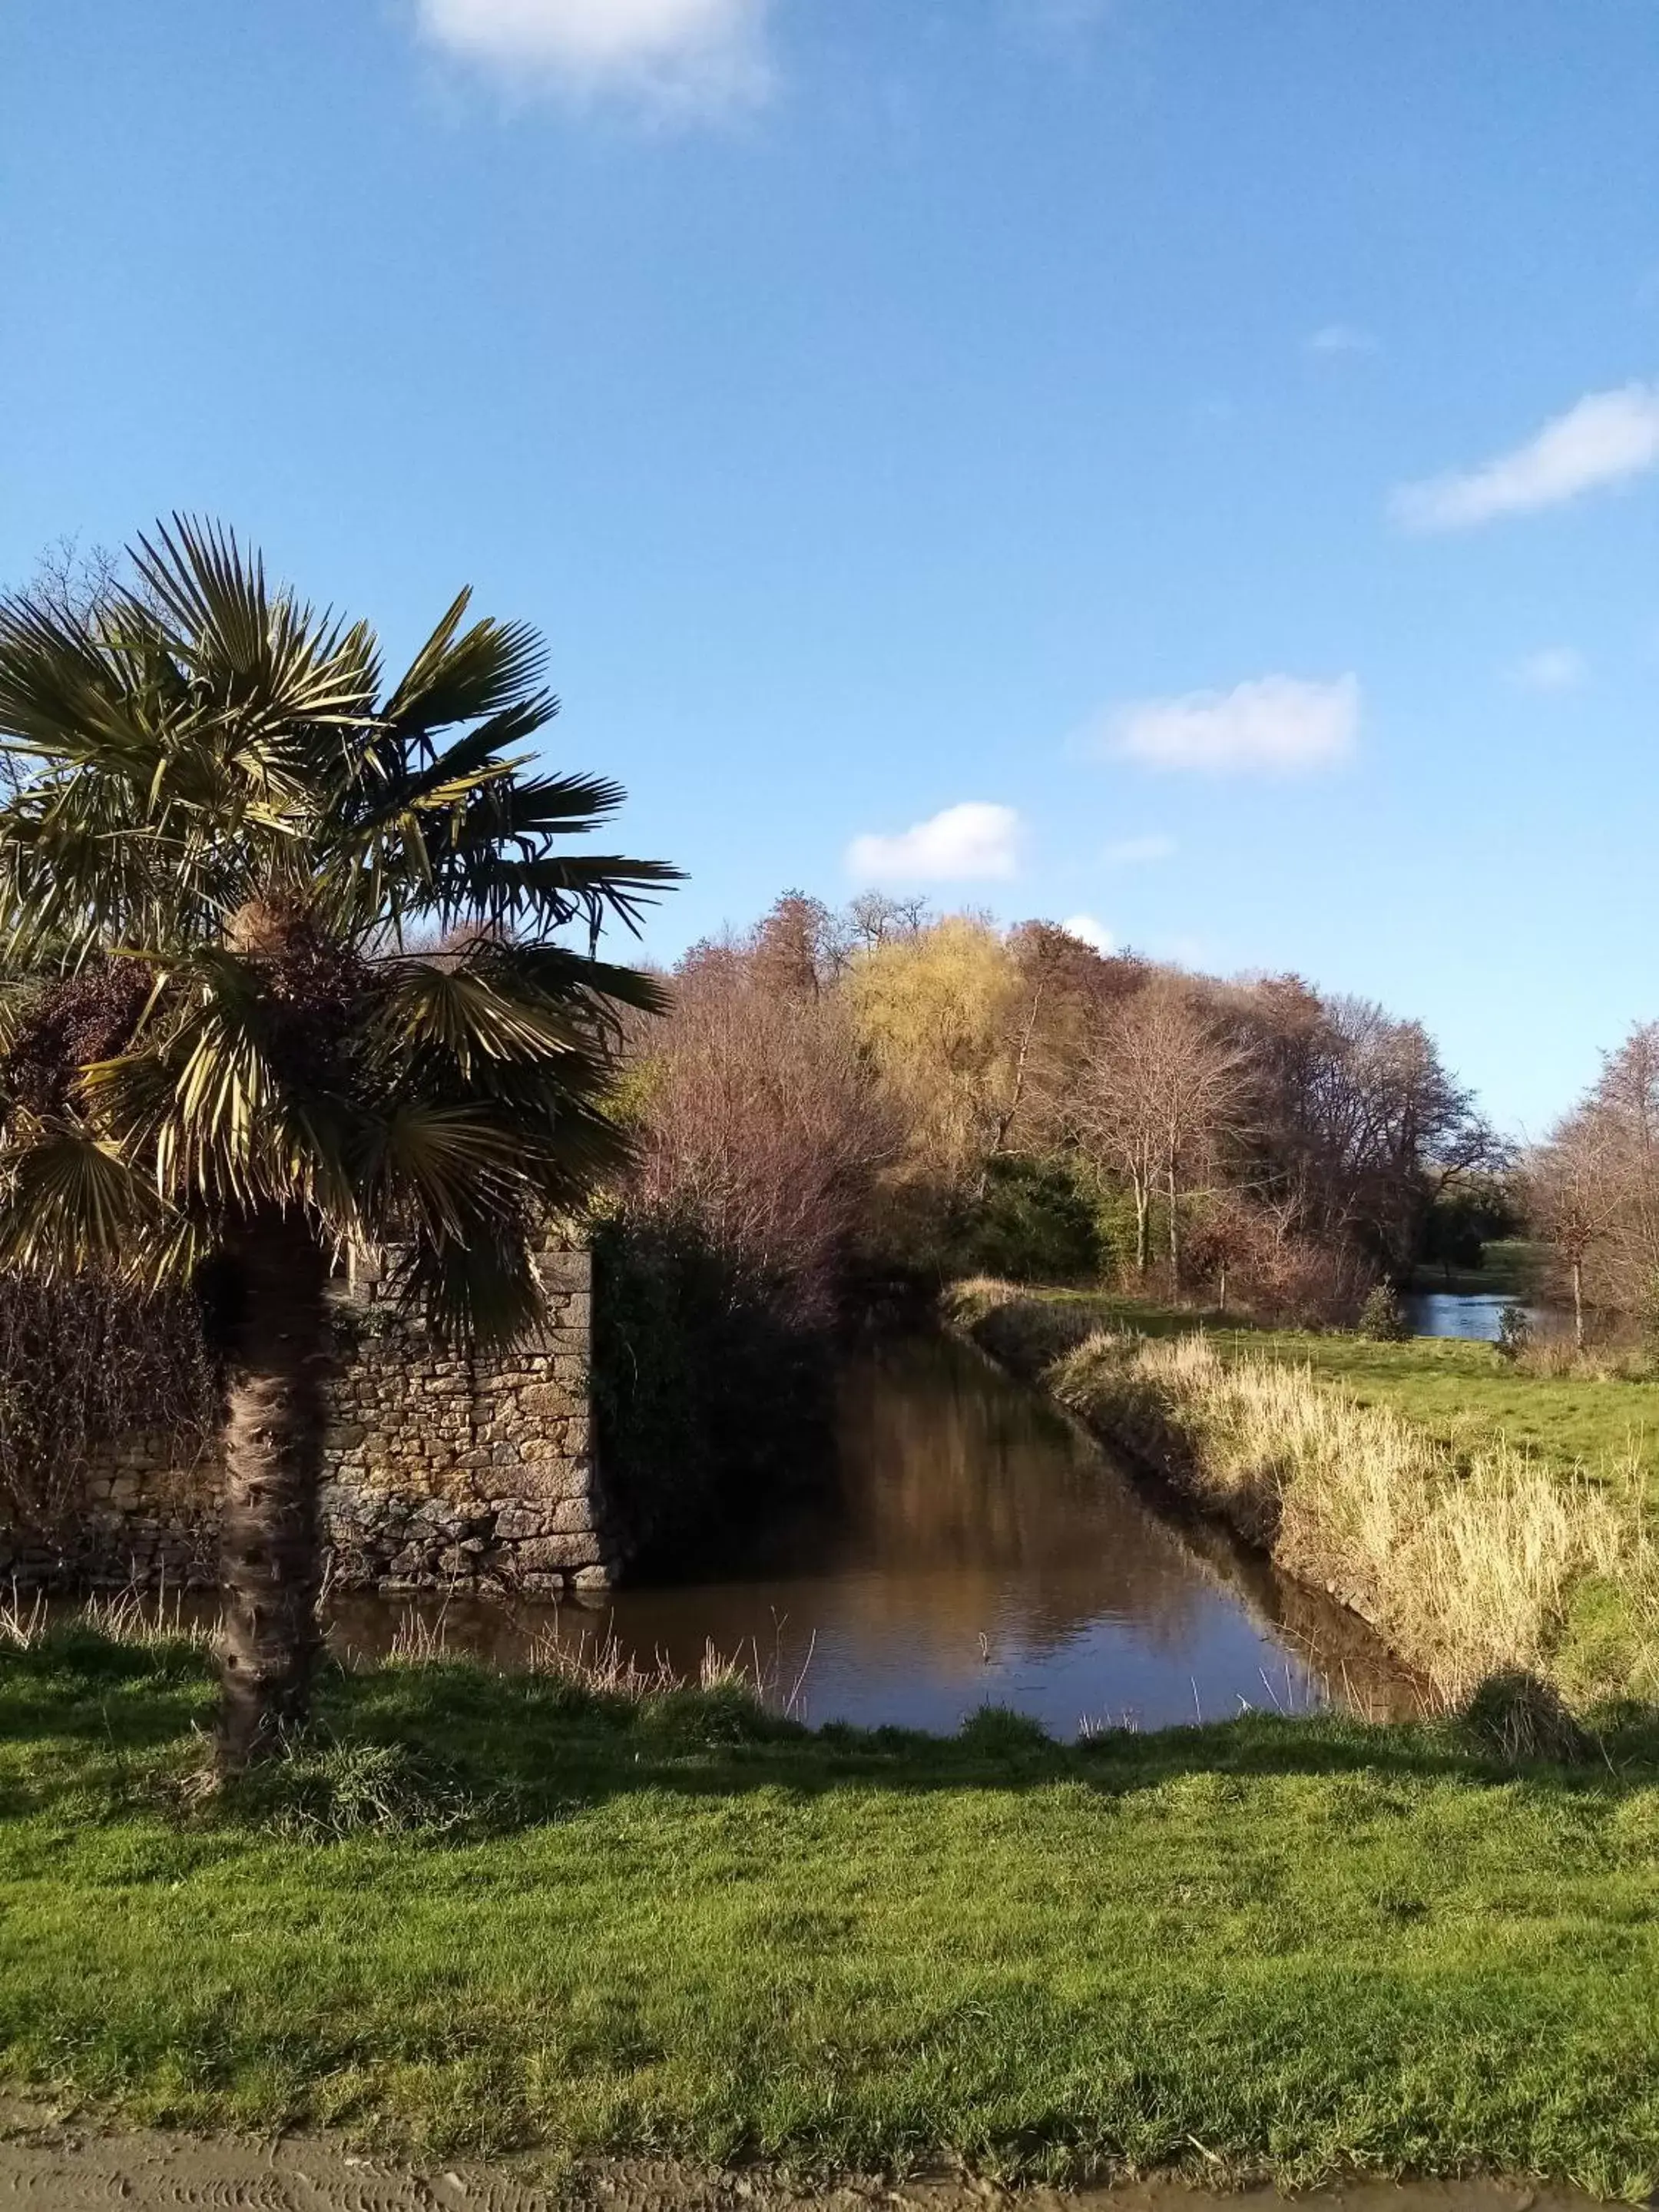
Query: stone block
538	1554
544	1400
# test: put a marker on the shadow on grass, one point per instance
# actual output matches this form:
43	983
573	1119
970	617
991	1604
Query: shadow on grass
507	1751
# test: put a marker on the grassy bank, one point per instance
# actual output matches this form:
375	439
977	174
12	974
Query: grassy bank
1462	1392
670	1922
1510	1267
1482	1519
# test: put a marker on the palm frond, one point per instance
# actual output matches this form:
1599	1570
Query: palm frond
601	985
478	1297
547	893
466	1015
440	1171
70	1200
462	677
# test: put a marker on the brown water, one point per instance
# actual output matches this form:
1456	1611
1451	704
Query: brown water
977	1547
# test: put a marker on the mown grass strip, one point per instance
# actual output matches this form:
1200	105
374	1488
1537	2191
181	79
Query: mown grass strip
674	1923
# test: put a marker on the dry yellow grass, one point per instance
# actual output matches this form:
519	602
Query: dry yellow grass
1468	1567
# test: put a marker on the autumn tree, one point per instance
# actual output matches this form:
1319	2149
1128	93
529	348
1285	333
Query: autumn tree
940	1013
762	1124
1358	1125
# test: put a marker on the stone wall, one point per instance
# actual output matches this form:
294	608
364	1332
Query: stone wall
440	1473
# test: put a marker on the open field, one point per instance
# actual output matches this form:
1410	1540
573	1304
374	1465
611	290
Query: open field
670	1925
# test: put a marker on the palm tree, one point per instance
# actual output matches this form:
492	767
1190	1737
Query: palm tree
289	973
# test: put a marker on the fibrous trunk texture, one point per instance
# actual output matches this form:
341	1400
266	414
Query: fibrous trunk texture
270	1561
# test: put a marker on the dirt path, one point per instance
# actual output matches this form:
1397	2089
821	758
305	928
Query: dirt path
47	2167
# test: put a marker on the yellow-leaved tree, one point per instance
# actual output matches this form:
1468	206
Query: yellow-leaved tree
944	1014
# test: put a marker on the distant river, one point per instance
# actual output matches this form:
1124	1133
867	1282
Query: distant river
1447	1313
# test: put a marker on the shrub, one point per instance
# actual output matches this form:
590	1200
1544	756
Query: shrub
1382	1318
1034	1224
1514	1333
721	1265
1521	1717
706	1391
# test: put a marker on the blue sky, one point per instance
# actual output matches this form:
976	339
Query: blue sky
1191	464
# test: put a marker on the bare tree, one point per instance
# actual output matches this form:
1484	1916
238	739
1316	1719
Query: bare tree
1157	1093
1595	1186
873	917
1572	1197
1358	1124
762	1127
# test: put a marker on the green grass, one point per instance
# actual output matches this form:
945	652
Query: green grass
677	1926
1467	1396
1510	1267
1461	1392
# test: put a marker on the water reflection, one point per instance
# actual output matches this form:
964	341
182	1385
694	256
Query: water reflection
978	1546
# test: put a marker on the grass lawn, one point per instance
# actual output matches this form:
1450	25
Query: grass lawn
1466	1395
1510	1267
677	1925
1461	1392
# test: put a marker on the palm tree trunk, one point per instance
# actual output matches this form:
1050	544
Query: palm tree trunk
270	1546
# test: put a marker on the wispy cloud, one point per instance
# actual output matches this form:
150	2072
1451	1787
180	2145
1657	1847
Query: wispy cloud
971	840
1342	338
695	55
1553	668
1276	725
1605	438
1088	931
1138	852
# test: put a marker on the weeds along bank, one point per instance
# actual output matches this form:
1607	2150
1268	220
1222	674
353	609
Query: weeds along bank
1473	1558
481	1912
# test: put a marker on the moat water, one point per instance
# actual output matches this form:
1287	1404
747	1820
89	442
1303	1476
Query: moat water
975	1547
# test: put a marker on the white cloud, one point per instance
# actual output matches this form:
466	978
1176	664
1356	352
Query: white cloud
1279	724
696	54
972	840
1607	437
1138	852
1554	668
1341	338
1089	932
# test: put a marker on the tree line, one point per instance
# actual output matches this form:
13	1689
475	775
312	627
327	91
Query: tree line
840	1097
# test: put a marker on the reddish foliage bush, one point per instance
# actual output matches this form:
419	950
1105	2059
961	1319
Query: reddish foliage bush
764	1130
